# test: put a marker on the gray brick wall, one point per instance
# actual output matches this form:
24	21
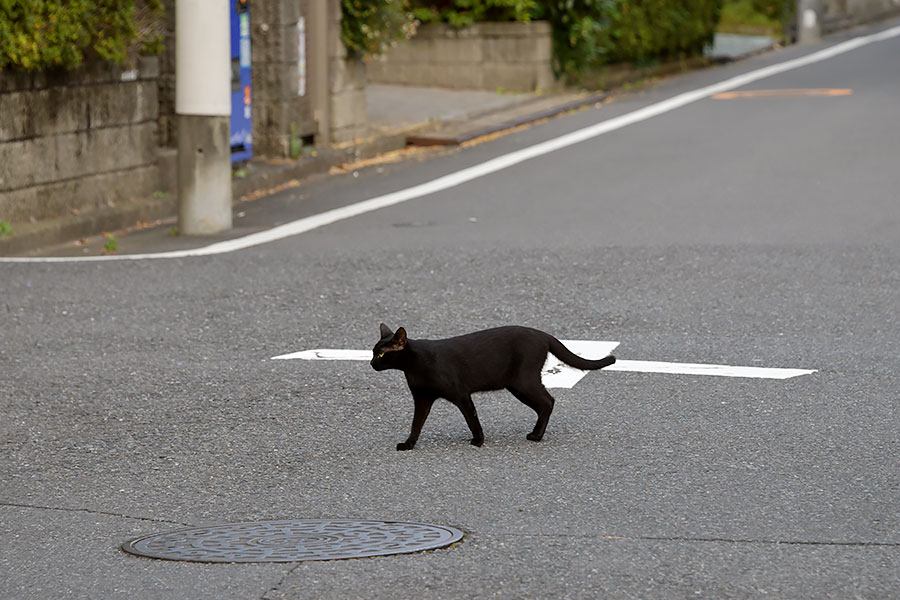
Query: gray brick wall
346	85
77	141
274	39
512	56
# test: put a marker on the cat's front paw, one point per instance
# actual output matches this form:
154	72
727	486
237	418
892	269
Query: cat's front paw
404	446
477	442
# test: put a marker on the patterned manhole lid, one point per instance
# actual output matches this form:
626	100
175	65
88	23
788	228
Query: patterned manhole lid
294	540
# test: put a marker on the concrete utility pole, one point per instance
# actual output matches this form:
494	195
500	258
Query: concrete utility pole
809	20
203	106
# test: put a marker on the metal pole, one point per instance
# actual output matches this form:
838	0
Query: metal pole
203	106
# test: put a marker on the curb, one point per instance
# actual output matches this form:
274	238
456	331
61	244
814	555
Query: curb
32	236
454	133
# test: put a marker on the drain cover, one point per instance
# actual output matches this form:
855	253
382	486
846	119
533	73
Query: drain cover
292	541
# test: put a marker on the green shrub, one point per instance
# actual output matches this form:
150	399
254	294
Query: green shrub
593	33
47	34
759	17
581	32
372	26
664	28
459	13
773	9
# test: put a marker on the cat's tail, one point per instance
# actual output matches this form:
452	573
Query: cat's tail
573	360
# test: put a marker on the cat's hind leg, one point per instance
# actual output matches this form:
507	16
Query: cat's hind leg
536	397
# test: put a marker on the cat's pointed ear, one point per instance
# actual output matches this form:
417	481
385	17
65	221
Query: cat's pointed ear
400	339
386	331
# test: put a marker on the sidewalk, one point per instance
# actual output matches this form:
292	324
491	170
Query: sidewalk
392	109
398	116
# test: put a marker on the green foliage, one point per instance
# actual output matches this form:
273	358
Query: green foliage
49	34
760	17
773	9
593	33
459	13
372	26
295	143
153	46
112	243
6	229
581	32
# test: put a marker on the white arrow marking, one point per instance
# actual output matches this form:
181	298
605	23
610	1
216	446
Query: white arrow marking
556	374
648	366
325	354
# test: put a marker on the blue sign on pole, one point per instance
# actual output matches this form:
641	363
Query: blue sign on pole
241	97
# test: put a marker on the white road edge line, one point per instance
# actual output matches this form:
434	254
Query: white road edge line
486	168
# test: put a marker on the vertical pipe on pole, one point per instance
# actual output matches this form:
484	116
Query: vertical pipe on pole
319	11
203	106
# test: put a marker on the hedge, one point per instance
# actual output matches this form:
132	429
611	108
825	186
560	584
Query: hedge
51	34
370	27
592	33
459	13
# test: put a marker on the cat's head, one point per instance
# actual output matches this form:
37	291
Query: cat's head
388	352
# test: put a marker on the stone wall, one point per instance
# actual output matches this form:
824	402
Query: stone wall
864	10
77	141
346	84
512	56
840	13
278	99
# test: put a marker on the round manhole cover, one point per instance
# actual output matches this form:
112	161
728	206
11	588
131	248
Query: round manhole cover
292	541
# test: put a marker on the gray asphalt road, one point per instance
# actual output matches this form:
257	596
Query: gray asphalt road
140	397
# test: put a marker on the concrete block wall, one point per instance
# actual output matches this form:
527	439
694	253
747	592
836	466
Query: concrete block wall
841	13
346	83
77	141
275	56
512	56
863	10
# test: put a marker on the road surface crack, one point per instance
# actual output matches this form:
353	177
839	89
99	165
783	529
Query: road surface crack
90	511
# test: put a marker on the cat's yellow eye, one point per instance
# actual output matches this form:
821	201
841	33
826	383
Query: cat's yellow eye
380	355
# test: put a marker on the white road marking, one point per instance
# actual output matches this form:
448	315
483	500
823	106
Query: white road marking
492	166
646	366
325	354
556	374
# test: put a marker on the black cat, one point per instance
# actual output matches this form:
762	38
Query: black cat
454	368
